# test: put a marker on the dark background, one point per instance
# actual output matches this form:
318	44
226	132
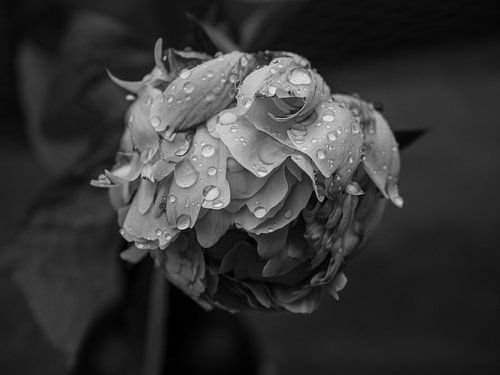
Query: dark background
424	297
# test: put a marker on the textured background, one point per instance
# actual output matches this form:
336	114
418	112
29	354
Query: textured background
424	297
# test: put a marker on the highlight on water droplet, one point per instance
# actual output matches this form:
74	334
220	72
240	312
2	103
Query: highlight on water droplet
211	171
331	136
183	222
155	121
321	154
227	118
211	192
188	87
299	76
185	73
260	212
172	198
261	172
207	151
328	118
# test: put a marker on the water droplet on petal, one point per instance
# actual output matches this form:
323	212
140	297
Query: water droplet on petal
207	151
227	118
247	102
185	73
398	201
170	98
233	78
243	61
210	73
185	175
130	97
272	90
211	171
261	172
288	214
300	77
159	232
218	204
328	118
355	128
183	222
155	121
332	137
188	87
211	192
210	96
260	212
321	154
172	198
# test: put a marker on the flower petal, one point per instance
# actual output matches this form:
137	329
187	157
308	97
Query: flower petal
147	227
272	193
333	140
269	245
199	93
212	227
144	136
255	150
200	179
292	207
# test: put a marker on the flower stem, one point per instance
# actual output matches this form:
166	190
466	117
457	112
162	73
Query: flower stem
156	326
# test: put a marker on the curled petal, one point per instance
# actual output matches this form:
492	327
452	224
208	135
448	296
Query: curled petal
332	141
142	131
271	244
132	86
199	93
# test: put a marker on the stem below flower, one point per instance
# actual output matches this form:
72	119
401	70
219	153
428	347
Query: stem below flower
156	334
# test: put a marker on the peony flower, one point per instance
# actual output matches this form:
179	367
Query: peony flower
247	181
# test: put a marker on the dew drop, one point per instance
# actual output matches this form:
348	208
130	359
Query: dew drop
261	172
188	87
210	96
288	214
243	61
260	212
155	121
328	118
130	97
211	171
172	198
299	76
185	73
183	222
398	201
211	192
159	232
355	128
233	129
210	73
233	78
331	136
170	98
247	102
321	154
227	118
207	151
272	90
218	204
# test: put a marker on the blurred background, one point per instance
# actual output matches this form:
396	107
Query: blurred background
424	296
